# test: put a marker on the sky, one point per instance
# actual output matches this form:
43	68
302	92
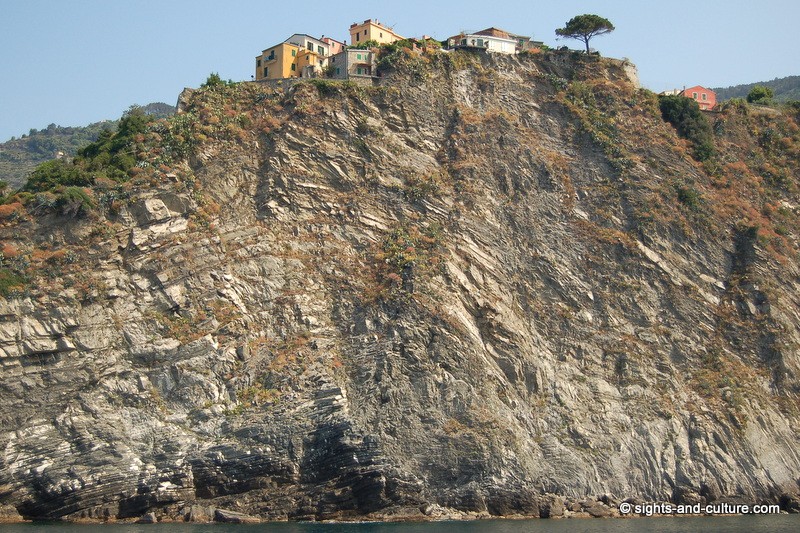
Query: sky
73	62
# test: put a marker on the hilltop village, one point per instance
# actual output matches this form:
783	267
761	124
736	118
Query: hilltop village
305	56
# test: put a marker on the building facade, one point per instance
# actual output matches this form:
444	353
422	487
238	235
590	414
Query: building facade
310	43
334	46
277	62
301	55
372	30
492	40
310	64
353	63
483	42
705	98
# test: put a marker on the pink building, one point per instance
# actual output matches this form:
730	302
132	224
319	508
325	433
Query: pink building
334	46
706	98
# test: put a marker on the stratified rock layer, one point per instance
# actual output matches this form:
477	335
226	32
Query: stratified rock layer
431	296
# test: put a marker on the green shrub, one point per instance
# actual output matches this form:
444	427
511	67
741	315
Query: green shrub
421	187
406	254
366	45
10	282
74	201
737	105
390	54
433	43
55	173
760	95
327	87
214	81
689	196
179	136
685	116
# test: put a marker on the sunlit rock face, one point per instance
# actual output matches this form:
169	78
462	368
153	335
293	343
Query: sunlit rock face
485	285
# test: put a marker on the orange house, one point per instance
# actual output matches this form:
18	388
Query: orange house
706	98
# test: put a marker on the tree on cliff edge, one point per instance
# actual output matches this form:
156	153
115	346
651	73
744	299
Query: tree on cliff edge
584	27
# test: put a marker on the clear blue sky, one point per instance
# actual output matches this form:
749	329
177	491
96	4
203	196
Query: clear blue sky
78	61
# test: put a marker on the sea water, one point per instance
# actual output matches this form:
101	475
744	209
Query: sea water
715	524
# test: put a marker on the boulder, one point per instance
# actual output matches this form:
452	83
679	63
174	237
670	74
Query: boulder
232	517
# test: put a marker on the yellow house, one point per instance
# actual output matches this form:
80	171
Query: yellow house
278	62
309	63
372	30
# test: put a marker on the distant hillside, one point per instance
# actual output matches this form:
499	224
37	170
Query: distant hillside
18	157
785	89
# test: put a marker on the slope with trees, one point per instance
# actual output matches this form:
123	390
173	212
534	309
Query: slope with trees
784	89
18	157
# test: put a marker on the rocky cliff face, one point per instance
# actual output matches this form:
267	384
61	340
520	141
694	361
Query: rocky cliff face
487	286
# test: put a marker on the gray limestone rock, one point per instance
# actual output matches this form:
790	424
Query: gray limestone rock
438	297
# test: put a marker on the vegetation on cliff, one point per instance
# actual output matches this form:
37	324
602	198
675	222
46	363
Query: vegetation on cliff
18	157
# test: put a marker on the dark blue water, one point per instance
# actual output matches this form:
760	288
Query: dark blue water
732	524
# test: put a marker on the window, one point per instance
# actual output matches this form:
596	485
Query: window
480	42
464	42
266	71
294	66
310	45
694	95
294	53
703	96
338	71
320	50
358	70
307	57
358	56
258	62
381	34
271	55
358	37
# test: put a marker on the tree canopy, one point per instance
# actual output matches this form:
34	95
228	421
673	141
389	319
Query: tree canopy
584	27
760	95
685	115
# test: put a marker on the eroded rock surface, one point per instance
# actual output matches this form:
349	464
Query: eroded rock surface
433	297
